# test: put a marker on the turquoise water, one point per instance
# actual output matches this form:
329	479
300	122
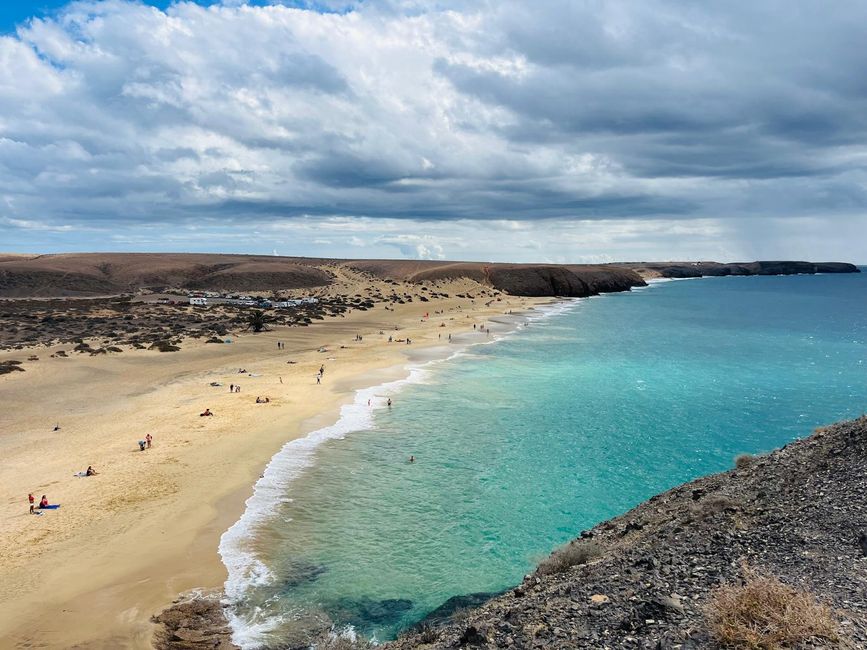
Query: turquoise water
522	444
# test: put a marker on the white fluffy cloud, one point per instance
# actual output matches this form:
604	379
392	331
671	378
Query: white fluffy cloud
404	129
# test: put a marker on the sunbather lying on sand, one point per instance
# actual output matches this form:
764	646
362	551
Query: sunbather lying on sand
205	413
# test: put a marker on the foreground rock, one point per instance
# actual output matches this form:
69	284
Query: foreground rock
645	579
193	623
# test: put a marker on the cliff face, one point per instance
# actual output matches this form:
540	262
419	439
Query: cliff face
643	580
701	269
573	281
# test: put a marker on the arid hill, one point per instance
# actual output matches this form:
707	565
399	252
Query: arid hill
100	274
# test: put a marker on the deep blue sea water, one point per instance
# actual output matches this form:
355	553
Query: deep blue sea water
522	444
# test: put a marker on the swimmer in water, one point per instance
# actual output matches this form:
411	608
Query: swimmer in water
412	459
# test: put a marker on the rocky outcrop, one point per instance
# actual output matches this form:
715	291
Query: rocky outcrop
570	281
573	280
191	624
643	580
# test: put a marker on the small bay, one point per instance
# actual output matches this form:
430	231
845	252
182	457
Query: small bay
571	420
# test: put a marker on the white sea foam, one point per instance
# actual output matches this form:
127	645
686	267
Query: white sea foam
245	569
661	280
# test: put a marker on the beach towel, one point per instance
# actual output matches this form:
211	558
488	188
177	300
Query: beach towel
54	506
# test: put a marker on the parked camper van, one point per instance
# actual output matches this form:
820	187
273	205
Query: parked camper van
200	302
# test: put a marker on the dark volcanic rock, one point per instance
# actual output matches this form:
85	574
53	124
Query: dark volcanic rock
193	625
363	612
703	269
798	513
539	281
454	604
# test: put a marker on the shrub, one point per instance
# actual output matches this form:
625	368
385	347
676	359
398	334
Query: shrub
164	346
572	554
714	505
763	613
7	367
744	461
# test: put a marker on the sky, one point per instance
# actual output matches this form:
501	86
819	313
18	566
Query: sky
500	130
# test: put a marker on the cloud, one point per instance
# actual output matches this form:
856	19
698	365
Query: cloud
423	247
120	115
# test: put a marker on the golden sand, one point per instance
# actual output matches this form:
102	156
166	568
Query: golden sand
126	542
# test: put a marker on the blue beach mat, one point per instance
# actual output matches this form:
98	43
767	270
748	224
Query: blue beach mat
51	507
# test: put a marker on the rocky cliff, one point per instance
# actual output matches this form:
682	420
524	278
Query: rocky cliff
786	532
701	269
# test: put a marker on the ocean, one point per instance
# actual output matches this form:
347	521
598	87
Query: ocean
591	407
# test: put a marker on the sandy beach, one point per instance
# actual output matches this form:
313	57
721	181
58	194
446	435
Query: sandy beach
125	543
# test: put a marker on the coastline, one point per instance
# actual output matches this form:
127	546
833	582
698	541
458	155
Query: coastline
356	414
127	542
778	529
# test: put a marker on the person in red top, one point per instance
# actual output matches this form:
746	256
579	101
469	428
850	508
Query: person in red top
32	500
44	502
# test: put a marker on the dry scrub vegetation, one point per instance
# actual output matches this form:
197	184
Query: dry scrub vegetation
765	614
572	554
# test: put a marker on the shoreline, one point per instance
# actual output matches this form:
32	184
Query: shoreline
356	415
143	538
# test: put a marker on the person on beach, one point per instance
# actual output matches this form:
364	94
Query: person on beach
231	388
322	369
319	378
43	503
142	445
32	500
388	403
206	413
90	471
149	439
57	427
